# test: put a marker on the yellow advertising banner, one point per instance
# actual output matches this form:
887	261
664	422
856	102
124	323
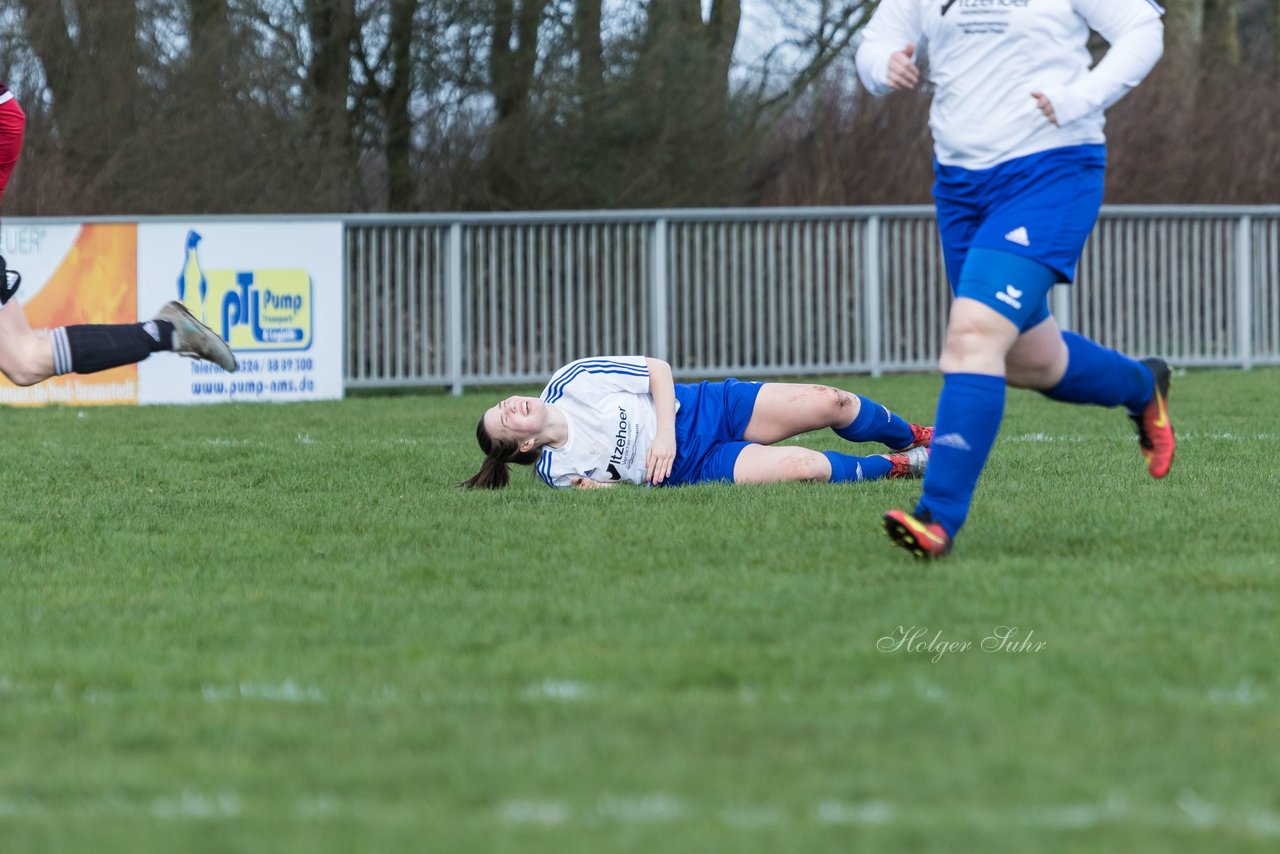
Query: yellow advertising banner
253	310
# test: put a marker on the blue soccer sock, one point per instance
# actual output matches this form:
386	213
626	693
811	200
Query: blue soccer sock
1103	377
845	467
875	423
970	409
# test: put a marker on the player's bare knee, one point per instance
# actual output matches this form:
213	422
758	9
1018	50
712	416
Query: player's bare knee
971	344
810	466
962	346
837	404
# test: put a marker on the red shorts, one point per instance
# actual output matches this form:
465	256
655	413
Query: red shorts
12	123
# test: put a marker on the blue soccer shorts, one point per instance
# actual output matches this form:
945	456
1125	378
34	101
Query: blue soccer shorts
709	425
1039	209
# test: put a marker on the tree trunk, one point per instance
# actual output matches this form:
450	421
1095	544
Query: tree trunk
513	59
331	27
1184	23
208	30
722	37
680	92
207	66
91	66
109	43
47	30
1222	33
590	46
399	125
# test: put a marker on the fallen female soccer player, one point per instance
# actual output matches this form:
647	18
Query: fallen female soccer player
621	419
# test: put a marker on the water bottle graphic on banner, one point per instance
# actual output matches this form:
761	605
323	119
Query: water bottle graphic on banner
192	281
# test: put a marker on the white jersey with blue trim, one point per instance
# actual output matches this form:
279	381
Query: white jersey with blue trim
612	421
987	57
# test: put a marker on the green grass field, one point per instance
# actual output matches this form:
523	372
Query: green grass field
281	628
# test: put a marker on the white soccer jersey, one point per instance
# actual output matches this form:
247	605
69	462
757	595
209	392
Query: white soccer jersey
986	57
612	421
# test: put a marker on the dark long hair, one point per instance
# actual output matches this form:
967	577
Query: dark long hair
498	454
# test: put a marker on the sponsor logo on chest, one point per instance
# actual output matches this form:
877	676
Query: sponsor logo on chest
964	5
620	438
980	17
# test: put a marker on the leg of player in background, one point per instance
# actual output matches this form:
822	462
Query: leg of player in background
983	342
970	410
998	295
27	358
783	410
1073	369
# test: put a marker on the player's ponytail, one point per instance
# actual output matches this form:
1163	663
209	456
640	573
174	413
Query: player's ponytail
498	453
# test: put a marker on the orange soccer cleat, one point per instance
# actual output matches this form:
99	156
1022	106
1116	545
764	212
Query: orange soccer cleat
1155	431
919	535
921	437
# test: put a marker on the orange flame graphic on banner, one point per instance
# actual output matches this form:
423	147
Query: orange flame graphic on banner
97	282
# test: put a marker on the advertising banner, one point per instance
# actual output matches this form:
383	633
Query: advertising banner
272	290
75	274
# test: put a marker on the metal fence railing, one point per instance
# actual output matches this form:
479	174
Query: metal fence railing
459	300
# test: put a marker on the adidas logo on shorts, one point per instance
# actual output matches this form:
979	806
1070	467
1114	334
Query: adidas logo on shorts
1019	236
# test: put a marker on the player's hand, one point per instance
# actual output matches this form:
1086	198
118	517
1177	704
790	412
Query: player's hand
662	456
580	482
1045	106
903	73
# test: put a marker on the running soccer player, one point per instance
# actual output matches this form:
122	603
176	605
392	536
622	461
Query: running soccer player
1020	155
622	419
27	358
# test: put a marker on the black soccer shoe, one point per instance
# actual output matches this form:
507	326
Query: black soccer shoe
9	282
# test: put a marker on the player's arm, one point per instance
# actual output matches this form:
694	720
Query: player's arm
662	453
1135	33
579	482
887	47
